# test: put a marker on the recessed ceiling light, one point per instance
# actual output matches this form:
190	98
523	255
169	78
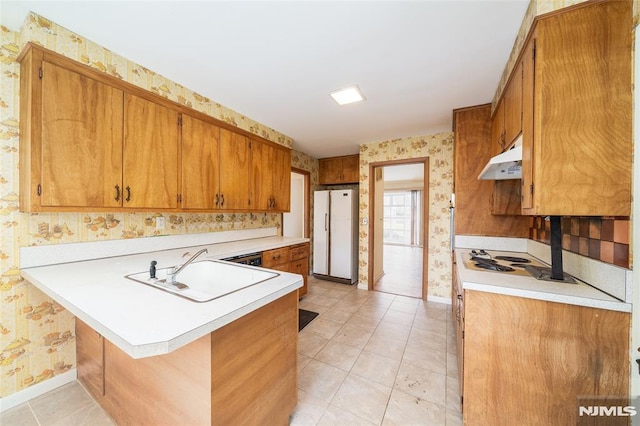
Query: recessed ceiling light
348	95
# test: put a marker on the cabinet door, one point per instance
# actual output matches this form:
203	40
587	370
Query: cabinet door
262	167
301	267
330	170
497	144
151	138
235	169
351	169
513	106
271	177
200	168
81	140
281	185
528	77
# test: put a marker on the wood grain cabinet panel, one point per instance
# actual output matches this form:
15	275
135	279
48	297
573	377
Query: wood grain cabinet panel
513	106
476	199
277	258
243	373
271	177
577	129
497	144
92	142
200	164
300	265
294	259
235	169
71	138
532	360
151	149
90	359
339	170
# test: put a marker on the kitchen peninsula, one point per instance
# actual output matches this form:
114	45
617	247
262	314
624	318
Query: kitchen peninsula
149	356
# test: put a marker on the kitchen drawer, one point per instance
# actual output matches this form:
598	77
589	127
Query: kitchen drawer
299	251
275	257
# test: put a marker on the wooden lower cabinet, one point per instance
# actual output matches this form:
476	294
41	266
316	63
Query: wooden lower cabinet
90	358
294	259
300	265
528	361
242	373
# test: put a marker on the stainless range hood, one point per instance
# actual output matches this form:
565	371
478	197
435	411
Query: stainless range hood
507	165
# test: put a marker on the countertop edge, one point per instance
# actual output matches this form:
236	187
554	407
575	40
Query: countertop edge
474	284
548	297
292	283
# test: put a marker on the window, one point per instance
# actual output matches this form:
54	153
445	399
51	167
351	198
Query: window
402	217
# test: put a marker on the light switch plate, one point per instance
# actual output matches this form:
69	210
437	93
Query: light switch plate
160	222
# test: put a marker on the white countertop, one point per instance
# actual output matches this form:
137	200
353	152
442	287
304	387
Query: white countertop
579	293
144	321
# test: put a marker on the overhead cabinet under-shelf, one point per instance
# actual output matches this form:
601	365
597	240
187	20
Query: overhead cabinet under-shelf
91	142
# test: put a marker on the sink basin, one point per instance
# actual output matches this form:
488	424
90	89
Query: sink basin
206	280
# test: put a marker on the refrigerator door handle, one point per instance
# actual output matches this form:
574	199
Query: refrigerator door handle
326	216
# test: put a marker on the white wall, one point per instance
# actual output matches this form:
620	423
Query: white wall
293	221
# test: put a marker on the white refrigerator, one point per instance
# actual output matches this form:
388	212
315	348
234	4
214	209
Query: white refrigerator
335	235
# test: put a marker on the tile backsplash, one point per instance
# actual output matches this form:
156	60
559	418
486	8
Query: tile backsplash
602	238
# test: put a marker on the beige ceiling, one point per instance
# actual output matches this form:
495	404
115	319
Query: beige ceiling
277	61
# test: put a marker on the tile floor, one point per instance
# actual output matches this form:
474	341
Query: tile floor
373	358
402	271
369	358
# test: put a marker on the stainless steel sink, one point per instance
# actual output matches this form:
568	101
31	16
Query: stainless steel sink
206	280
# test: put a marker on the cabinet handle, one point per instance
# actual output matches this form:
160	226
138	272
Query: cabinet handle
459	297
221	200
128	194
217	200
117	193
276	257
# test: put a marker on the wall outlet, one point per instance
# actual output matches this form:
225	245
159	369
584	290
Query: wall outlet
160	222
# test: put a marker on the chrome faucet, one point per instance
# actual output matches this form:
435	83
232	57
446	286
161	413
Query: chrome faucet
173	272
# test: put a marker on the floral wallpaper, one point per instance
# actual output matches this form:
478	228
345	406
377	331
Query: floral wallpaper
439	149
37	336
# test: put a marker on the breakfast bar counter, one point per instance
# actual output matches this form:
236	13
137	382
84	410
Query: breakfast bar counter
153	357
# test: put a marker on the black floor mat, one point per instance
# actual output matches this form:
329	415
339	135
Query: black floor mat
305	317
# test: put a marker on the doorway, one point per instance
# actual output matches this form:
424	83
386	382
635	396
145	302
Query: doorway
398	249
295	223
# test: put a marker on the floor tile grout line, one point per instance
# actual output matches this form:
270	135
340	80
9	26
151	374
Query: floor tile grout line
33	413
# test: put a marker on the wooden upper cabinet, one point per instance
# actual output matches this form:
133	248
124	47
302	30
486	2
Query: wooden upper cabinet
577	151
235	171
340	170
200	164
92	142
513	106
476	200
75	141
151	149
497	144
271	176
351	168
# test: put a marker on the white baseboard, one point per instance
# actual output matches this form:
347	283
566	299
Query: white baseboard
438	299
36	390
